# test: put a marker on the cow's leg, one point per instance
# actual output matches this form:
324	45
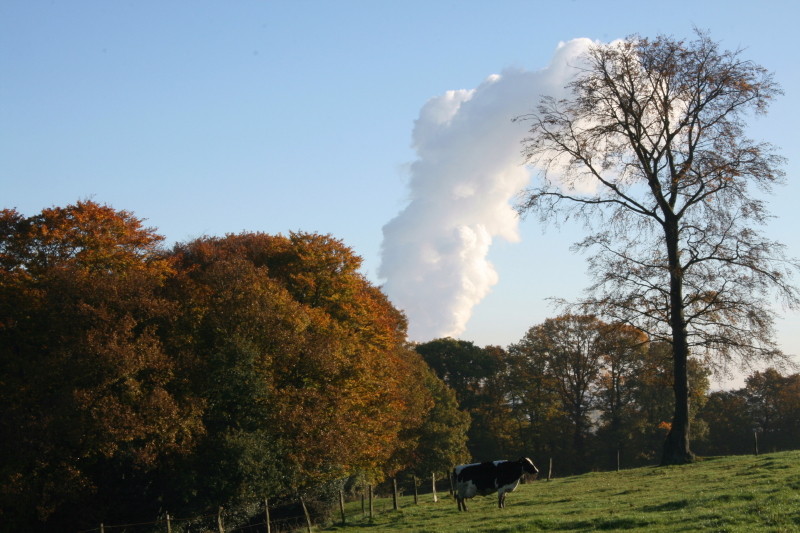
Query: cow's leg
462	504
501	500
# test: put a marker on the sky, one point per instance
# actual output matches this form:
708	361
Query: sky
385	124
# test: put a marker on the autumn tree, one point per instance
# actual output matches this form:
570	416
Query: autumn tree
730	426
570	348
650	151
230	318
440	441
496	431
533	397
650	414
766	411
88	394
773	403
301	361
622	356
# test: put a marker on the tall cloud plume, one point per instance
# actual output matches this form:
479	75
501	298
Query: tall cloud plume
461	188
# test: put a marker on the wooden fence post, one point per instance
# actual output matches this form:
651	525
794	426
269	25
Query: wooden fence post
550	470
433	483
755	442
266	514
394	493
341	506
169	525
220	526
102	529
617	459
414	479
305	512
371	508
363	502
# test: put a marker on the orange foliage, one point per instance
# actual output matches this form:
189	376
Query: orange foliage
116	356
341	384
85	379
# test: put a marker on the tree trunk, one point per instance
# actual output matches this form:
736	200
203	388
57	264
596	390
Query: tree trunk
579	458
676	446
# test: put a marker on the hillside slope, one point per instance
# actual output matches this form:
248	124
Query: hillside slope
731	494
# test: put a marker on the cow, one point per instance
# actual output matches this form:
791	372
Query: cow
489	477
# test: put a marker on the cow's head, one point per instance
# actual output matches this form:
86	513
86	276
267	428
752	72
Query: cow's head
528	466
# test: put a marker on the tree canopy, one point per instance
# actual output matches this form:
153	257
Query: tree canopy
88	390
225	370
650	150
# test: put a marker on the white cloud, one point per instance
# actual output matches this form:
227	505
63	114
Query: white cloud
462	184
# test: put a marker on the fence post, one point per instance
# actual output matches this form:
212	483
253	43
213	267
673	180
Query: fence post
617	459
371	508
341	506
219	521
266	514
414	478
433	484
305	512
394	493
550	470
169	525
102	529
755	442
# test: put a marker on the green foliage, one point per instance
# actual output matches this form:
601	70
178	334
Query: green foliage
460	364
477	375
442	437
730	428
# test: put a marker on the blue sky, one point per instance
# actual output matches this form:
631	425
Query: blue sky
213	117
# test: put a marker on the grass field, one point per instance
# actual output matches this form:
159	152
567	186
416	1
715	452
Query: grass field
737	493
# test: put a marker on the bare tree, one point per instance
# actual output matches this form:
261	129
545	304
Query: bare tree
650	151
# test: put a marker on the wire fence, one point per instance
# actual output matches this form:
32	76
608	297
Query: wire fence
210	523
257	519
199	524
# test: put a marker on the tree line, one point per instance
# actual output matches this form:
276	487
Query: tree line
595	396
138	379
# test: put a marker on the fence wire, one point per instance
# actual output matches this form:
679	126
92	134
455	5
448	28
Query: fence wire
241	522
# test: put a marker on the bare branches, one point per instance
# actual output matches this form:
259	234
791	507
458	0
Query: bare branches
650	152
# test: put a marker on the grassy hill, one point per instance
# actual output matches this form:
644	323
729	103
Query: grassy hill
736	493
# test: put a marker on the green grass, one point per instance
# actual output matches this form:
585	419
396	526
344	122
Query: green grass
725	494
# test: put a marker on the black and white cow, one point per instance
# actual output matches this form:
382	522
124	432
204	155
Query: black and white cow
489	477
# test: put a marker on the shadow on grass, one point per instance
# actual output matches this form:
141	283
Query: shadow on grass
667	506
607	524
